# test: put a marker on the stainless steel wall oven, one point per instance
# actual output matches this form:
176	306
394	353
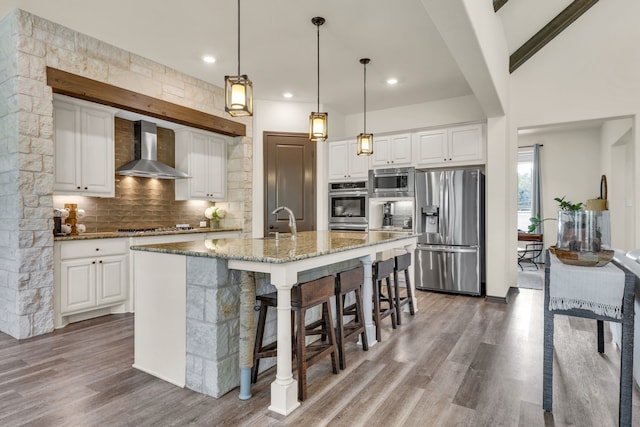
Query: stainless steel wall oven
349	206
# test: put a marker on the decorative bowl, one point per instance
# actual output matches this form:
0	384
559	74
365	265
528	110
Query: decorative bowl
584	259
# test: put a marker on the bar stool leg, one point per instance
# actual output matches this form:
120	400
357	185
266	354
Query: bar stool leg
394	321
257	347
376	309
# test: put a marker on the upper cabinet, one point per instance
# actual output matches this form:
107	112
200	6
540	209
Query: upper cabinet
84	147
391	151
203	155
344	162
461	145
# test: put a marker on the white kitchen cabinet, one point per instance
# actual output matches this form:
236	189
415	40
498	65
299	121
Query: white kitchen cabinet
204	156
461	145
391	151
344	162
84	147
91	278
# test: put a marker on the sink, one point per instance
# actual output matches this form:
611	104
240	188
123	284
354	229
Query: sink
279	236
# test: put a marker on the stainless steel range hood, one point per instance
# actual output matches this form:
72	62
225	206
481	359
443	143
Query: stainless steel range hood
146	162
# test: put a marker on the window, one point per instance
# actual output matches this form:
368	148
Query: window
525	188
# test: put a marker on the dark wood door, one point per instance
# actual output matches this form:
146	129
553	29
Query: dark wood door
290	180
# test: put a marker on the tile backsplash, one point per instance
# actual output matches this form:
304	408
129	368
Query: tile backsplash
138	202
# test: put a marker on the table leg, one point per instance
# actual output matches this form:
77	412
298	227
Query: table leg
626	357
284	390
367	300
600	336
547	364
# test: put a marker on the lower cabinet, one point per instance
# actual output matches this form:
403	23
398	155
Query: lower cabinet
88	283
91	279
94	277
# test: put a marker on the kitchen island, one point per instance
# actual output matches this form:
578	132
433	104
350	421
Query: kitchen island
195	301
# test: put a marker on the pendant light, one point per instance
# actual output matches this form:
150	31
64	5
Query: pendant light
317	120
238	90
365	140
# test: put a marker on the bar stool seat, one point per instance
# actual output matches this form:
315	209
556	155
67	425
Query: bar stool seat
402	264
348	282
382	271
303	297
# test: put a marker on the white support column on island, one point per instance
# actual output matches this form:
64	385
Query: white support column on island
284	390
367	300
411	248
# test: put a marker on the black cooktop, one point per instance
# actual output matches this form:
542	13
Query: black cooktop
153	229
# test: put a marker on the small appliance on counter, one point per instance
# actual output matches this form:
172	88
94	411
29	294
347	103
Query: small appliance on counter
387	215
59	217
395	214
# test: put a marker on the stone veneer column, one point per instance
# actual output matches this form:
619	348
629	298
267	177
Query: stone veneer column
213	301
26	174
28	44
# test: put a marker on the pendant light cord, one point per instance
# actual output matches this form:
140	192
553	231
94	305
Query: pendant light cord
365	98
318	30
238	37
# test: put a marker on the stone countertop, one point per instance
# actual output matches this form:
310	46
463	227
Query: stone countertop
393	229
308	244
117	234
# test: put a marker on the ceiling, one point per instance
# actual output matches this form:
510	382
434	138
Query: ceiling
278	45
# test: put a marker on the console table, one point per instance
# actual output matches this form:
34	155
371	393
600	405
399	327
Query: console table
612	279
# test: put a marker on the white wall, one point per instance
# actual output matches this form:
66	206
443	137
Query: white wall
571	167
288	117
617	154
589	71
430	114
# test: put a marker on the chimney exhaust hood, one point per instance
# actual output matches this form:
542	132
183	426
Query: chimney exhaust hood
146	162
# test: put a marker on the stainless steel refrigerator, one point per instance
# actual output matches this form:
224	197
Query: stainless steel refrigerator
450	222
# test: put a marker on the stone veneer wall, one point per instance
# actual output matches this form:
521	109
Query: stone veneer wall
28	44
213	325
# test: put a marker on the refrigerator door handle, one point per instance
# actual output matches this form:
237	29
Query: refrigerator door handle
457	249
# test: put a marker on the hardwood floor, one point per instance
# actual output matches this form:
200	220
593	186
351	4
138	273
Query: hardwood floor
461	361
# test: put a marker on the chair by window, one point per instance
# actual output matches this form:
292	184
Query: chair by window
529	254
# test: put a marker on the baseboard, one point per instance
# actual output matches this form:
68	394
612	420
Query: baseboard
503	300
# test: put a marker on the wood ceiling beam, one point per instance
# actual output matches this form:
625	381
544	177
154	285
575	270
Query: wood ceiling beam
497	4
549	32
91	90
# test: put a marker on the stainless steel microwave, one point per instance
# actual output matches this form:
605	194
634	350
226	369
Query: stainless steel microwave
397	182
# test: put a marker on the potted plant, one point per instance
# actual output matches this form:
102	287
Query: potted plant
564	205
580	235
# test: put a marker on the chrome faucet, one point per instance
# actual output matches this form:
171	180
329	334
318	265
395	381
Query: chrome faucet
292	219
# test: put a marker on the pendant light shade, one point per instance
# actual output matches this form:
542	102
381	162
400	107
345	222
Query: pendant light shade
238	89
365	140
317	120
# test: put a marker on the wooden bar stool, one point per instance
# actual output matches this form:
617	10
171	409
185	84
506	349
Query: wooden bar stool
350	282
382	271
402	264
303	297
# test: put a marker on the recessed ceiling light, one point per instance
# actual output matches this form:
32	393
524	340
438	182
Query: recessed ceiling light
209	59
287	95
392	81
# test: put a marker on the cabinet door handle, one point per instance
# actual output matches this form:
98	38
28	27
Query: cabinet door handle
93	262
78	188
100	261
97	249
86	188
